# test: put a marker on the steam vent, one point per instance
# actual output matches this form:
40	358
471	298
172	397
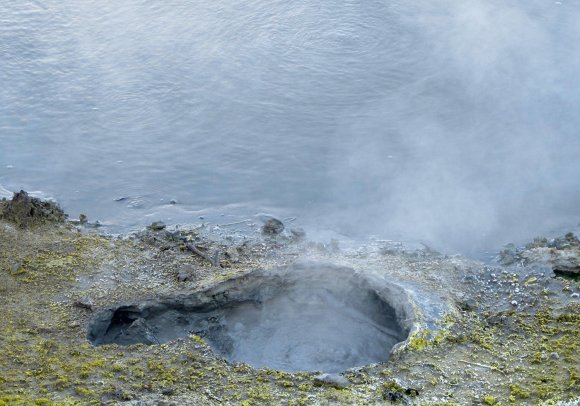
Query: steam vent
303	318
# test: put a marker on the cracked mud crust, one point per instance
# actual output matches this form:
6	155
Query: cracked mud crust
497	335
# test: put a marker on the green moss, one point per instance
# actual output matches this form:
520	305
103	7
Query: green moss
261	392
419	341
518	392
197	339
162	373
84	391
489	400
393	386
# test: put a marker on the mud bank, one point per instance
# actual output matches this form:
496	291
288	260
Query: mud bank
468	333
305	317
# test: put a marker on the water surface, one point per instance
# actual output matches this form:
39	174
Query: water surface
455	124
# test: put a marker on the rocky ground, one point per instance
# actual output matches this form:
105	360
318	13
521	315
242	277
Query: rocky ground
505	334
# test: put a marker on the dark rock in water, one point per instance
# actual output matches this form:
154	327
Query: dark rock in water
272	226
298	233
26	211
157	226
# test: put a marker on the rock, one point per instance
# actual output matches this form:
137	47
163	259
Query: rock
233	255
169	391
509	255
332	380
562	255
538	242
26	211
567	263
469	279
568	241
563	261
468	305
497	319
186	274
272	226
84	303
393	396
14	268
157	226
140	331
298	233
82	218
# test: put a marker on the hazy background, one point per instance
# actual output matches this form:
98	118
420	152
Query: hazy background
455	123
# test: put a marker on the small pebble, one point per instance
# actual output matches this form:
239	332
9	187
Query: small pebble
514	302
84	303
298	233
575	295
186	275
272	226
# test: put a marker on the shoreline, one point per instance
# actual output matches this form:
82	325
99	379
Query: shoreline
499	335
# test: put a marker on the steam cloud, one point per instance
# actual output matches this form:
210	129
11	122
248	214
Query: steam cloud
483	146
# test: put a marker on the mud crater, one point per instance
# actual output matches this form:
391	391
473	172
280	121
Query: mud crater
302	318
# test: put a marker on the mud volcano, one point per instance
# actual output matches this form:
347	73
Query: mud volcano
303	318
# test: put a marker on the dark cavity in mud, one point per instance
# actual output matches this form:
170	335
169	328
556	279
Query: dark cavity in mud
306	318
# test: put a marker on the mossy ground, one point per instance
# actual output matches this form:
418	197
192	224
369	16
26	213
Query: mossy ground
487	356
528	358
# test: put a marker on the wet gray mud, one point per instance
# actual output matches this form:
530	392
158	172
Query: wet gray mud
303	318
